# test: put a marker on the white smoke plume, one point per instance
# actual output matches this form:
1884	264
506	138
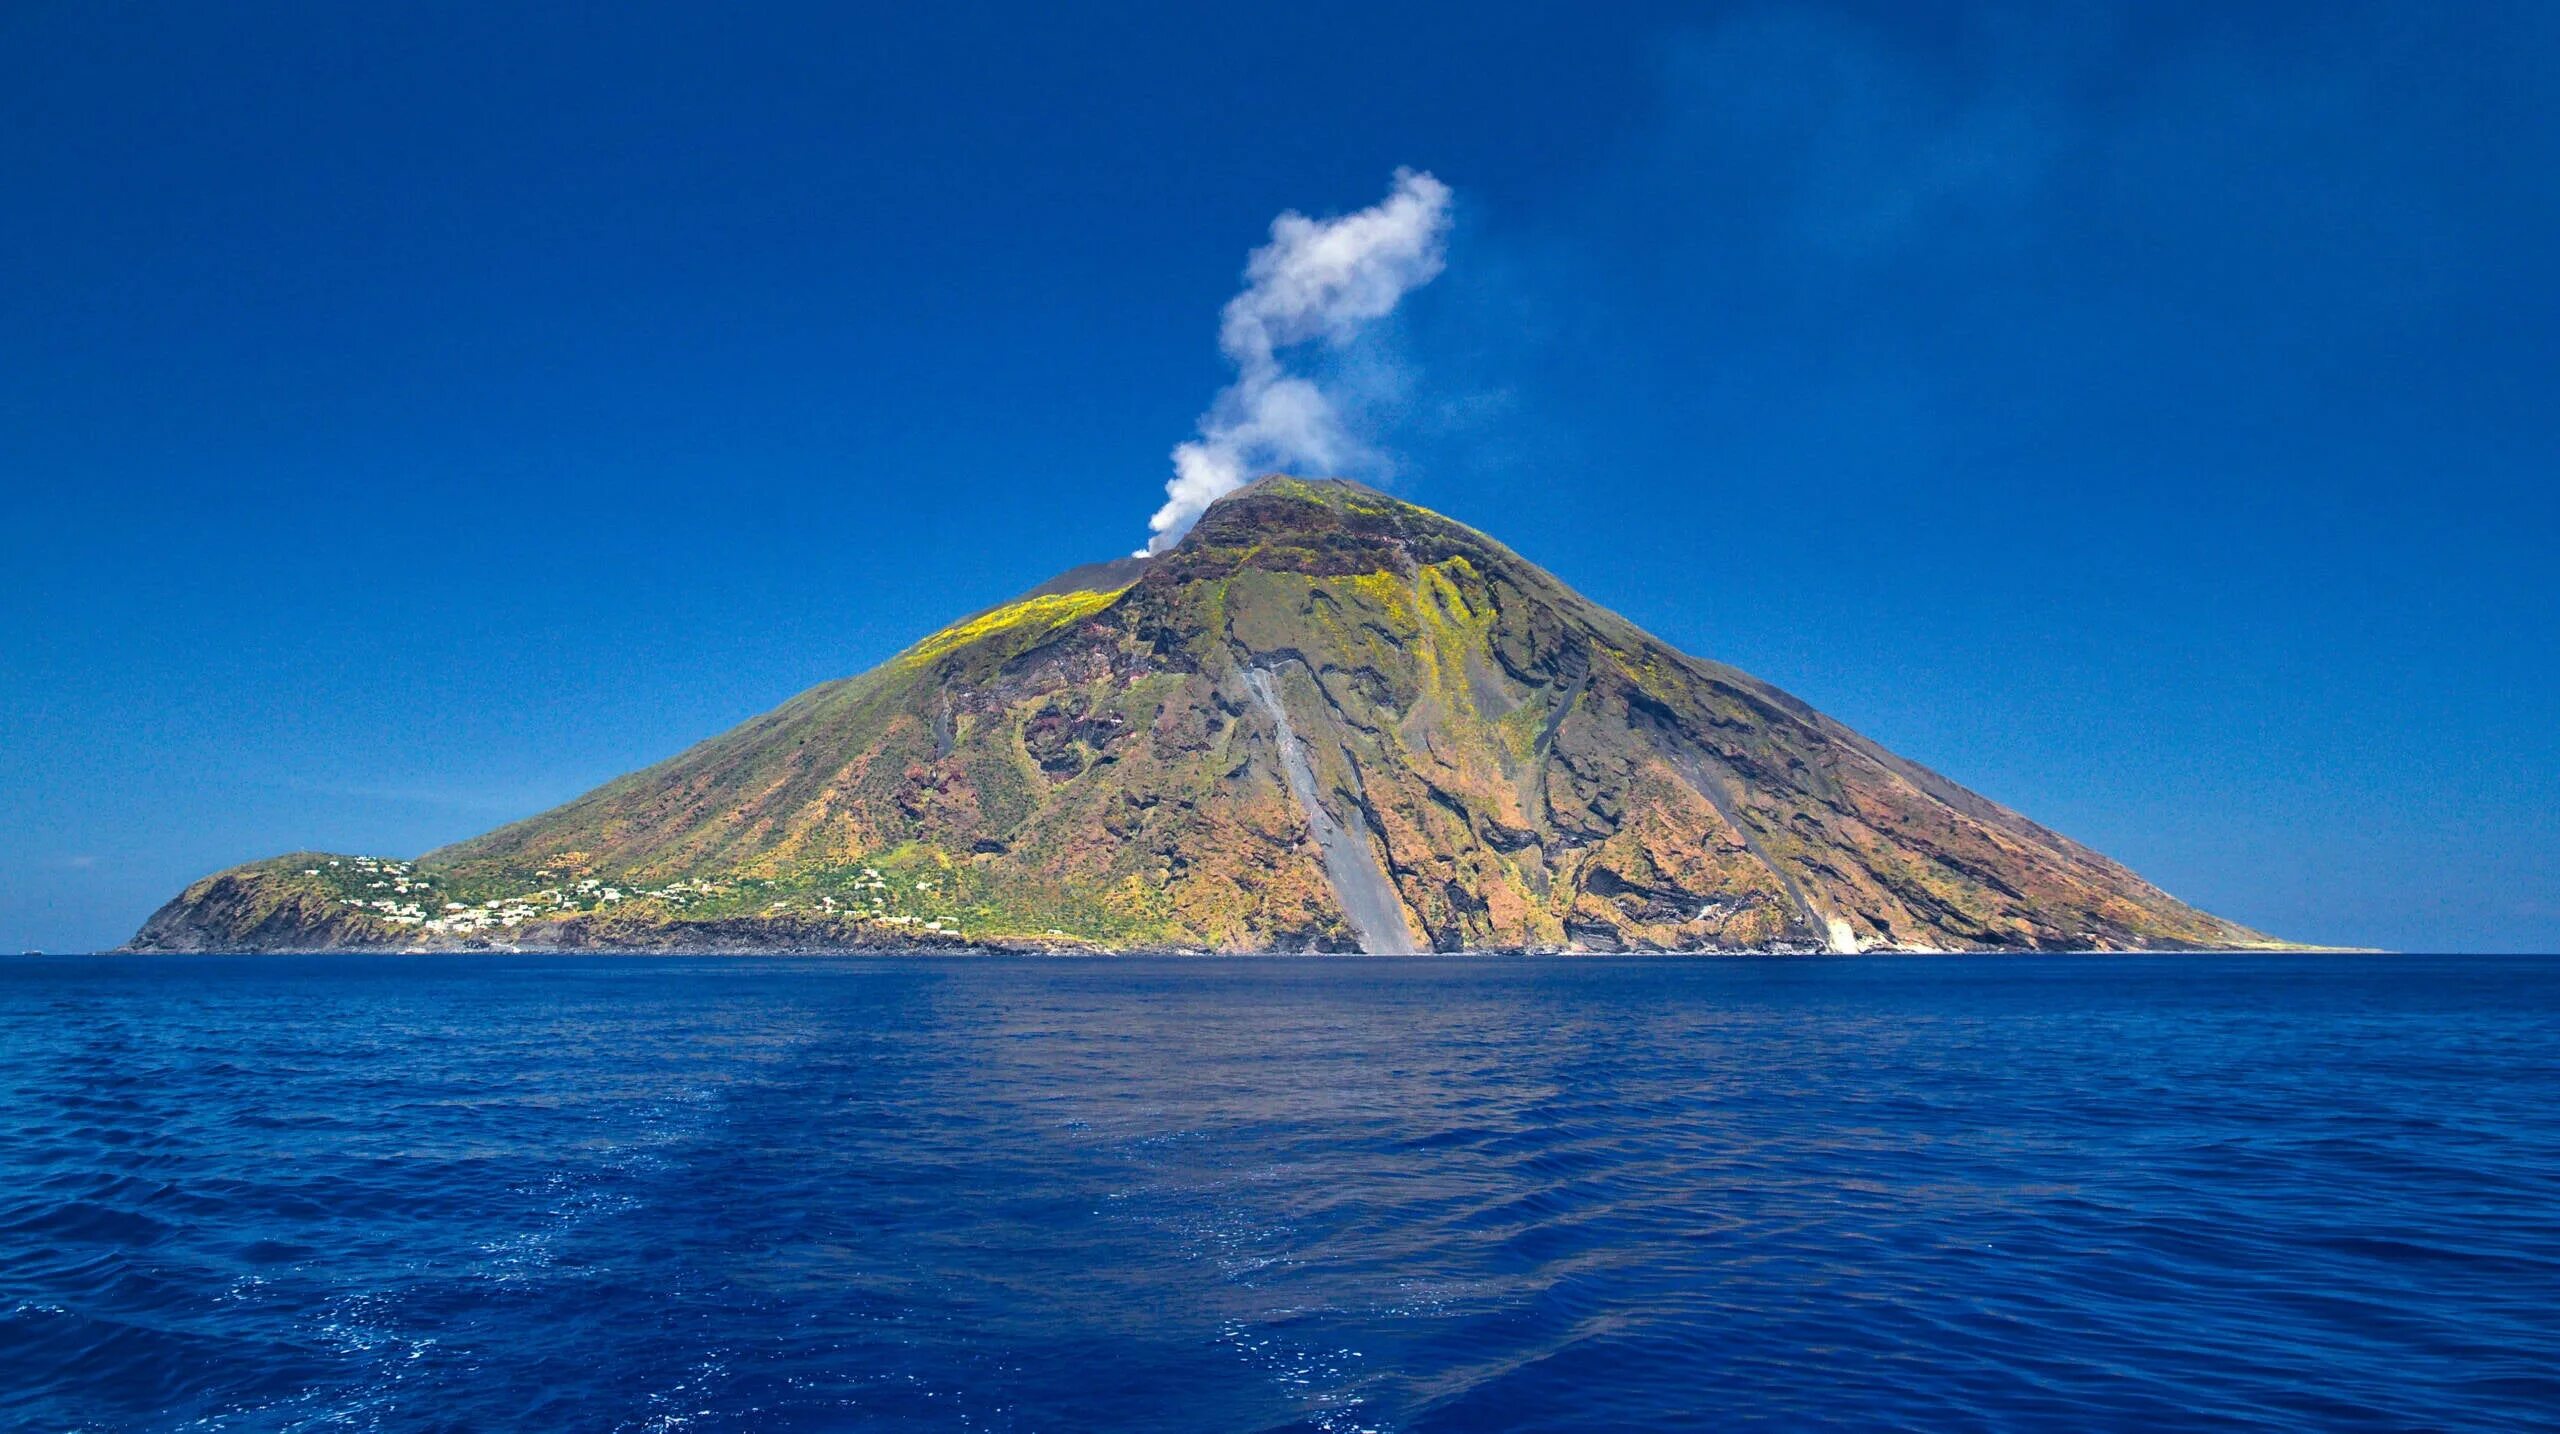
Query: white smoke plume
1316	280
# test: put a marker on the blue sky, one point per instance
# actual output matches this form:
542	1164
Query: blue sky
2142	413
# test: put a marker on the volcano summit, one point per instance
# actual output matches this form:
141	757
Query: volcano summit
1324	720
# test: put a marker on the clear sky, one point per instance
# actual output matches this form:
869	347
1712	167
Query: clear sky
412	416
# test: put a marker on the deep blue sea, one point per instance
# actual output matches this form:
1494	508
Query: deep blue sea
552	1193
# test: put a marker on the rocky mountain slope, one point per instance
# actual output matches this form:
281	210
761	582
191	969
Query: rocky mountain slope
1325	720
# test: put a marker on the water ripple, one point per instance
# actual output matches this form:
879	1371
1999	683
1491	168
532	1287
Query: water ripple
618	1194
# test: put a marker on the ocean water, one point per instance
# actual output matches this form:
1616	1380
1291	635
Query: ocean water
461	1193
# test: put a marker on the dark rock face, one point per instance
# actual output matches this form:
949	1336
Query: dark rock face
1325	720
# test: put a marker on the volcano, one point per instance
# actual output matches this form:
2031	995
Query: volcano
1326	720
